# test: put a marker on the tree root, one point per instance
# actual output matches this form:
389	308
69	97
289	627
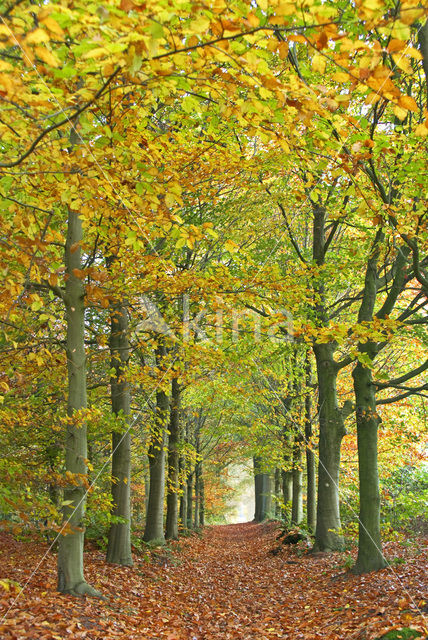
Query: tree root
85	589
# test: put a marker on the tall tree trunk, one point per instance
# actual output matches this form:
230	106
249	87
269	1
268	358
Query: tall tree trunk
287	493
119	538
201	498
262	491
286	471
370	556
267	496
183	496
173	464
189	506
154	531
297	502
197	476
328	535
70	550
331	422
257	490
197	495
146	489
311	497
277	491
311	505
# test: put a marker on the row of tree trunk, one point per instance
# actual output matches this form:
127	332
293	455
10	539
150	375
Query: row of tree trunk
183	477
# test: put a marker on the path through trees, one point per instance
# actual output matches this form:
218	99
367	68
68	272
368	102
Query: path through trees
223	584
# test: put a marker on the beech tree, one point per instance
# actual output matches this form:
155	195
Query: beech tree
244	157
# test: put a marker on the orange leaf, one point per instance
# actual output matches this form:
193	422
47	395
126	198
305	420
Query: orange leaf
407	102
396	45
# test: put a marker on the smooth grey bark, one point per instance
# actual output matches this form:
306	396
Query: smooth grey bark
146	490
286	471
277	491
257	497
370	556
154	531
70	549
197	474
183	496
328	536
197	495
287	492
173	464
267	495
119	537
262	491
201	498
311	489
189	501
297	499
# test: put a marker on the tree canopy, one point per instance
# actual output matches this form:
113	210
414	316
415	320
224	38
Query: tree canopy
213	242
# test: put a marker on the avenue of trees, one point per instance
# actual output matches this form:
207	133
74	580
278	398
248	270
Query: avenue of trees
213	247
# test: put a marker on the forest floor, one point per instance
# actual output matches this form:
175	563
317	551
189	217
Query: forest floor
222	585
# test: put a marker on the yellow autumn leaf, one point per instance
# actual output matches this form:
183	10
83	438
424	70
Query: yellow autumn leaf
421	131
231	246
170	199
286	9
395	45
52	26
400	113
192	41
402	63
47	56
372	98
340	76
98	52
253	19
409	17
265	93
407	102
37	36
381	72
399	30
6	83
372	4
283	50
318	63
413	53
201	25
5	584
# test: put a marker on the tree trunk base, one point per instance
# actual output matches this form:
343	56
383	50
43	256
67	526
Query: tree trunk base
366	566
123	562
154	542
84	589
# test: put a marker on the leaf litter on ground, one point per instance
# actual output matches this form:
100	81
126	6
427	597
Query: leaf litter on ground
225	585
